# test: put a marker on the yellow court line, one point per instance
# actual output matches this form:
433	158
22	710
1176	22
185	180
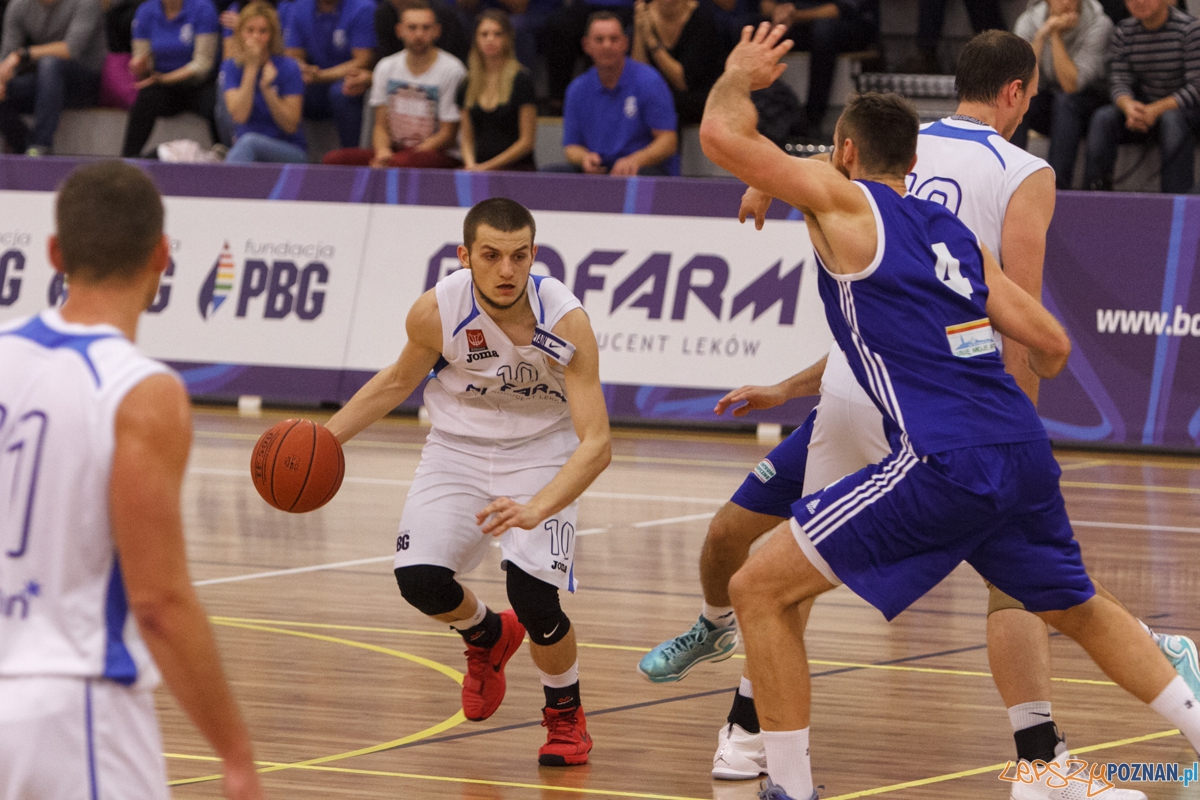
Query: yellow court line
251	623
648	796
995	767
272	766
456	719
1130	487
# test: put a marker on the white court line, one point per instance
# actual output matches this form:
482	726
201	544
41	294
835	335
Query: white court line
666	498
651	523
358	562
671	520
1131	526
294	571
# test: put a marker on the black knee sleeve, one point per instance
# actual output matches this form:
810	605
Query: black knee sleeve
429	589
536	604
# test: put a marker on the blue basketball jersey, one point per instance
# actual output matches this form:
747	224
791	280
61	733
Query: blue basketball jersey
914	327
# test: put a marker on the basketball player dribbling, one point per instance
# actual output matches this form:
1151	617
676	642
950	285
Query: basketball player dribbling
519	431
94	439
1006	196
911	296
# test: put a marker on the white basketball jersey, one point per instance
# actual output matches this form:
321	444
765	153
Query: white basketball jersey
485	386
972	170
63	606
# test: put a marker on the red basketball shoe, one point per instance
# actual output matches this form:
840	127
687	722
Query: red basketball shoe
567	741
484	685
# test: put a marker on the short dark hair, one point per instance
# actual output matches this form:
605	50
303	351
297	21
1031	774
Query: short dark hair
884	128
991	61
416	5
599	16
499	213
110	218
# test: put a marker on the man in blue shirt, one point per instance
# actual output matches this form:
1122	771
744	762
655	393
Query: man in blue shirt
332	39
619	117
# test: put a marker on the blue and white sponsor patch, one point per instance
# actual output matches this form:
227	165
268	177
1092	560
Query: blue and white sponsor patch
764	470
971	339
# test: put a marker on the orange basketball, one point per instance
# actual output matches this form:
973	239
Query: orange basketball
297	465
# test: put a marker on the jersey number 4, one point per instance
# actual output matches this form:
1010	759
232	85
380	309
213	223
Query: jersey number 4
949	271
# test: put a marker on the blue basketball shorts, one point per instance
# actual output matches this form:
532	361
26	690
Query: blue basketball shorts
893	530
839	437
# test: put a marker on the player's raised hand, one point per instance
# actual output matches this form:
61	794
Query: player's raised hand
504	513
753	398
754	204
758	54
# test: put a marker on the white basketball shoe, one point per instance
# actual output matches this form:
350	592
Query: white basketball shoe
740	754
1052	788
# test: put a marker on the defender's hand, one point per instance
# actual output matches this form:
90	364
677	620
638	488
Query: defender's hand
754	204
758	54
754	398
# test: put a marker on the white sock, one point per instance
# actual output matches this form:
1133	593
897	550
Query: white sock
473	620
720	616
1026	715
788	763
1180	707
568	678
745	688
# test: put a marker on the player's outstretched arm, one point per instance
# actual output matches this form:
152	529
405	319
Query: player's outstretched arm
153	433
805	383
729	135
1019	317
1023	242
590	418
393	384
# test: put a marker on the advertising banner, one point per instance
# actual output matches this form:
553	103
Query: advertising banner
297	288
674	301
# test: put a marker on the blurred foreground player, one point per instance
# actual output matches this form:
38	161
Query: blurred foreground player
94	439
965	480
519	431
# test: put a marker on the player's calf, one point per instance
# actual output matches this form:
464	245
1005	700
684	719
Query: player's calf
491	638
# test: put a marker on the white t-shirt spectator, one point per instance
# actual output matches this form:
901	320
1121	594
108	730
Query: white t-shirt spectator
417	105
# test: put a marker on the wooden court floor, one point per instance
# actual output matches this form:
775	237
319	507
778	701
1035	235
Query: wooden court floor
350	693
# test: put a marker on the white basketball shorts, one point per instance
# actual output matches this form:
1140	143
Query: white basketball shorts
458	477
847	436
77	739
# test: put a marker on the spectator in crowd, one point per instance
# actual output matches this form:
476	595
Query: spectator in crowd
453	38
824	29
984	15
412	92
618	116
1155	63
685	43
499	123
1070	38
175	48
561	42
529	18
332	39
264	91
51	55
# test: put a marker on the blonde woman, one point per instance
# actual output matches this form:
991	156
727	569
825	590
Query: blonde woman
499	121
264	91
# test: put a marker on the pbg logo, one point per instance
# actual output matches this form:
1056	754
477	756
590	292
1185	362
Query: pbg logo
284	288
12	267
